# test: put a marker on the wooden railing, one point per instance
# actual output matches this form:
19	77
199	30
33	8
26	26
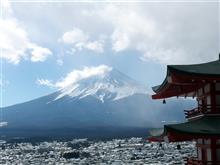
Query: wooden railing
201	109
195	161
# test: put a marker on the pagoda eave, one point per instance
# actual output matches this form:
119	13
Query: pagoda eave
171	90
176	78
179	137
201	81
181	80
206	126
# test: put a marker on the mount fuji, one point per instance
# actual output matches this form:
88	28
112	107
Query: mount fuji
109	99
111	85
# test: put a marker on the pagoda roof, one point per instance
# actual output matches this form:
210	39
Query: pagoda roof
204	69
205	126
183	79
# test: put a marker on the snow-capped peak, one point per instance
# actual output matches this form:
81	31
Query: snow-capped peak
108	85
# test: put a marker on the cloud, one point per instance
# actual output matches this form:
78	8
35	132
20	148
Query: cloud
129	27
168	34
75	76
80	40
120	41
75	36
44	82
39	53
14	40
59	62
96	46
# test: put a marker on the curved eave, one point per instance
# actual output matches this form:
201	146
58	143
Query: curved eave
172	90
207	126
161	91
186	76
210	69
158	88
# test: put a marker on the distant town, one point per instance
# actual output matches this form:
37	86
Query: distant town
83	151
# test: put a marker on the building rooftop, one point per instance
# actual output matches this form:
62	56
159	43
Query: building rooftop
183	79
204	69
204	126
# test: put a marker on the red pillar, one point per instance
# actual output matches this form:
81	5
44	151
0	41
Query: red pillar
213	98
213	149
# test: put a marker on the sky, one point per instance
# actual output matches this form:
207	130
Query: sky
45	44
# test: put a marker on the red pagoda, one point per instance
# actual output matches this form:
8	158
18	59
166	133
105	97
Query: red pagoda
201	81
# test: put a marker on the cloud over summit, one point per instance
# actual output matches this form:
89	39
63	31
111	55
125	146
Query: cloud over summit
76	75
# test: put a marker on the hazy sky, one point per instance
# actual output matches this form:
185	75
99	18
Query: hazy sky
42	43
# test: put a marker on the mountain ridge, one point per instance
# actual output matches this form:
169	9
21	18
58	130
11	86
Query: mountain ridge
89	107
114	83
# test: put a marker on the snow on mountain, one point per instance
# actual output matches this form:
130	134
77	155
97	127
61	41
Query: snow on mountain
109	85
91	98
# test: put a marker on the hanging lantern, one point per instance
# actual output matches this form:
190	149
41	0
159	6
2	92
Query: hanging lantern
178	147
164	101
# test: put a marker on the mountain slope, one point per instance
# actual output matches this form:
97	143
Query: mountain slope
111	99
112	85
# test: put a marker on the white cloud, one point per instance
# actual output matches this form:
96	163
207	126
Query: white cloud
39	54
6	6
44	82
14	40
71	51
129	26
96	46
74	36
120	41
59	62
80	40
75	76
168	34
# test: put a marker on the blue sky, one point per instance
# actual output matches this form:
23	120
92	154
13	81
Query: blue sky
43	42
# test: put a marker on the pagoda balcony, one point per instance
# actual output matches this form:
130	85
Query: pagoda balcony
200	110
195	161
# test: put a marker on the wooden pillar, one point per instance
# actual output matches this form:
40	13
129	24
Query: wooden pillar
213	149
213	97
